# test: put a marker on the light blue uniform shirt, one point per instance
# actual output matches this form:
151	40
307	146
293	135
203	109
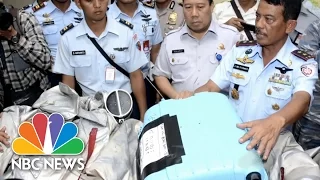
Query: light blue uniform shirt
53	21
264	90
78	57
149	32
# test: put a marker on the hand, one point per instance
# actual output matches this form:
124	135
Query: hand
4	138
8	33
235	22
183	95
158	98
263	133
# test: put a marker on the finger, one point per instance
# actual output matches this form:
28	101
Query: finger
245	125
268	149
255	141
1	149
262	146
4	135
240	20
3	129
247	136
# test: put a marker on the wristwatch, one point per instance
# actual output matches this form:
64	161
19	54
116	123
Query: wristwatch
15	39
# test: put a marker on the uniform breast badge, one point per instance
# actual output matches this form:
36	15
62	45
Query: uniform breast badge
245	60
172	19
238	75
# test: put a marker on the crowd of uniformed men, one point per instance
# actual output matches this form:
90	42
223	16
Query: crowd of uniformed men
262	53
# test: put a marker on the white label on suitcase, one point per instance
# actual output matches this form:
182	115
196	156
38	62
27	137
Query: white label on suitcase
153	146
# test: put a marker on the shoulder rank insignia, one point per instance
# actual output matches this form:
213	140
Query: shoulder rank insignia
172	4
149	4
122	21
38	6
246	43
67	28
26	7
302	54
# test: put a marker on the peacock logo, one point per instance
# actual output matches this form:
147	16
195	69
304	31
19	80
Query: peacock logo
48	136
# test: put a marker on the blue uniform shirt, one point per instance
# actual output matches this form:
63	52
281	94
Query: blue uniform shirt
53	22
78	57
264	90
145	24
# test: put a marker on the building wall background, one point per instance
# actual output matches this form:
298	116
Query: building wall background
17	3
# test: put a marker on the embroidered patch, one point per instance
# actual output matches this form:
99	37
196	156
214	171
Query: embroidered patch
308	69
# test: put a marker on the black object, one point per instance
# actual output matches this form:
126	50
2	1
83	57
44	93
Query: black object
6	18
253	176
236	10
249	27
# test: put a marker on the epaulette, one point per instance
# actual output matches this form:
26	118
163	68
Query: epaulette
26	7
122	21
67	28
38	6
150	4
302	54
246	43
172	4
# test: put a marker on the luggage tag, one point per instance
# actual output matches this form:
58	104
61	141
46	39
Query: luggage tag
110	75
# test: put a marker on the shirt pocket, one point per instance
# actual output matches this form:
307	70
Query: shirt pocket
181	67
150	28
50	32
82	65
239	83
277	95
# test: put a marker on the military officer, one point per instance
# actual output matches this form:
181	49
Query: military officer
270	81
310	12
78	58
189	55
56	18
170	14
142	19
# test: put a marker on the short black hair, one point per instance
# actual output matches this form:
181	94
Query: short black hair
291	8
210	2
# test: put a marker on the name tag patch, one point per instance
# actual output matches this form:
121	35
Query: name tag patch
178	51
47	23
83	52
241	68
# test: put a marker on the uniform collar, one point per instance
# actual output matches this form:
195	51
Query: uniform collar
110	28
116	12
50	7
254	8
212	28
281	56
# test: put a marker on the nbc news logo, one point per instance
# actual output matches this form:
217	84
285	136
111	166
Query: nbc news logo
48	137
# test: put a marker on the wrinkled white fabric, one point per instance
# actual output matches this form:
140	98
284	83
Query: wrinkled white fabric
115	148
297	163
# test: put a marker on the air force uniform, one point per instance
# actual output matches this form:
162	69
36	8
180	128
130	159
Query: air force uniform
144	23
55	23
190	62
78	57
257	91
170	18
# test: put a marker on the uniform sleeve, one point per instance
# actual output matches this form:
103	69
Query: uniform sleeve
62	61
311	40
162	67
221	77
32	46
157	37
137	57
306	77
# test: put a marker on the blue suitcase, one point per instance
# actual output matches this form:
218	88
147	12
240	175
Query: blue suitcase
195	138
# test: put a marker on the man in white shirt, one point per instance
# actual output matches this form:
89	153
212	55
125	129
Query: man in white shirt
224	13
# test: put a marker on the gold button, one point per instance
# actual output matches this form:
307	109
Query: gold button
269	92
172	60
275	107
